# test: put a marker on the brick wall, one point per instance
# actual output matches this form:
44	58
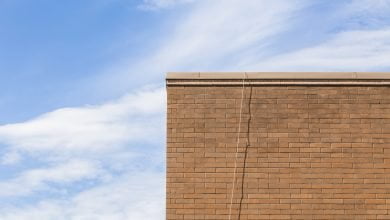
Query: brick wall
305	152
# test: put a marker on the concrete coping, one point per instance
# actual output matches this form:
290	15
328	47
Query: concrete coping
276	75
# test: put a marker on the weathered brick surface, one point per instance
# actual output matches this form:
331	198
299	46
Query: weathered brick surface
306	152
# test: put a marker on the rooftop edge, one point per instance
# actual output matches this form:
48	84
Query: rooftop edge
276	75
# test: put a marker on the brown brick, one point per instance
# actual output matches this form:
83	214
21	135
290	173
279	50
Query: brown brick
305	152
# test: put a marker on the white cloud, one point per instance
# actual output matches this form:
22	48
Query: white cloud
91	128
364	14
224	28
231	35
162	4
234	35
137	196
37	179
10	158
369	6
142	196
77	145
215	35
347	51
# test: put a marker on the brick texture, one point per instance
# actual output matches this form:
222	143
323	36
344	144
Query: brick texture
305	152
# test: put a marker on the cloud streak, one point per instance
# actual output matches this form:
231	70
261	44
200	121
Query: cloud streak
90	128
162	4
35	180
136	196
367	50
119	144
212	36
107	152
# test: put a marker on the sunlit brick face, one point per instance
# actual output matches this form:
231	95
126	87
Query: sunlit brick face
306	151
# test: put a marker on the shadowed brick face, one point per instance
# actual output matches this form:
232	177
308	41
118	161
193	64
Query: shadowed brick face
305	152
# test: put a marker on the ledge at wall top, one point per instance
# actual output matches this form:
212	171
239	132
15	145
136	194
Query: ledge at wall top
277	75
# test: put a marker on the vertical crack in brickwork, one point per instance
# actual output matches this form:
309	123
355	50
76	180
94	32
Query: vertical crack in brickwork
245	153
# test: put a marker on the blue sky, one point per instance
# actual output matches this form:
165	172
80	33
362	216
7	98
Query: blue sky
82	127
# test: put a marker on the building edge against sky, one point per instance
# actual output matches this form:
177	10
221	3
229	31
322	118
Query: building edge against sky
278	145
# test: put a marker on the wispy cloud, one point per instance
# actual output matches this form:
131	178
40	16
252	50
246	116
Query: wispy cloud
369	7
121	142
221	29
162	4
35	180
347	51
109	149
136	196
90	128
10	158
214	35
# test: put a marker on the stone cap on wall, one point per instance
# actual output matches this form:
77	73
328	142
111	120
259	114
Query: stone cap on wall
278	75
278	78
